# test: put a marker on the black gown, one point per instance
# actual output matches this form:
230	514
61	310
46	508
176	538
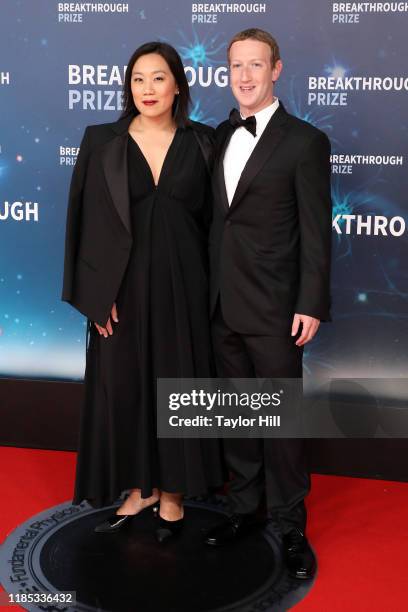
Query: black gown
163	331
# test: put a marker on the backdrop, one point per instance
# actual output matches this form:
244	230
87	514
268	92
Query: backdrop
345	71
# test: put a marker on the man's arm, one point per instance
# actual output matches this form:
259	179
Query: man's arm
315	220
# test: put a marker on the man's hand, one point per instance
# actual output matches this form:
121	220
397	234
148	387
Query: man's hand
107	330
310	325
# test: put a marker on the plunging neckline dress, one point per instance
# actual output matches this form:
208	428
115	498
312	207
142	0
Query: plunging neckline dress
163	331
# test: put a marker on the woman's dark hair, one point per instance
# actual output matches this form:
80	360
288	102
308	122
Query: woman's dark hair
170	55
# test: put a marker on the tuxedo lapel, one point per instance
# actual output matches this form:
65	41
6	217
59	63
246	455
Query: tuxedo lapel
114	162
219	178
267	144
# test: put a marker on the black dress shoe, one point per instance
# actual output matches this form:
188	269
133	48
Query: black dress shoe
114	522
298	555
168	529
231	529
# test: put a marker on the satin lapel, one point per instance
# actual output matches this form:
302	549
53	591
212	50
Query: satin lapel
267	144
219	179
114	161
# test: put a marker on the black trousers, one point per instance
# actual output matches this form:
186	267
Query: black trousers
276	466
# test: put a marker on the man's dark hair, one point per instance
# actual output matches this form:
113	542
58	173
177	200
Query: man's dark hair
262	36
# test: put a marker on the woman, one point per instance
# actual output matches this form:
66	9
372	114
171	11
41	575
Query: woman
136	266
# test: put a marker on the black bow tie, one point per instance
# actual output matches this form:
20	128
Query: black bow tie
236	121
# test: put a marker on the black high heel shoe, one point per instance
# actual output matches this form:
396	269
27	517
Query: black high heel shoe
168	529
115	522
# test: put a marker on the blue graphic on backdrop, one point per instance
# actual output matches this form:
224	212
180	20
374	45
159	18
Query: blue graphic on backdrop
207	51
40	135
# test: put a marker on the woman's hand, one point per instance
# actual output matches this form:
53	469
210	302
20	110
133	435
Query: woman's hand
108	330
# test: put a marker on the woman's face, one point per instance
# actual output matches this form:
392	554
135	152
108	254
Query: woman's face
153	86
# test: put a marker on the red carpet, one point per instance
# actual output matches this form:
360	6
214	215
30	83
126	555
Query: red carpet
358	527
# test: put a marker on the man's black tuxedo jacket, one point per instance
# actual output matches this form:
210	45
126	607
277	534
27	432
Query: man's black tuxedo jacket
270	250
98	236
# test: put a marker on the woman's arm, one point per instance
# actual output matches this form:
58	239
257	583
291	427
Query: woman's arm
73	224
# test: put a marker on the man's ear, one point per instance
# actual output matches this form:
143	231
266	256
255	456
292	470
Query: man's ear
276	70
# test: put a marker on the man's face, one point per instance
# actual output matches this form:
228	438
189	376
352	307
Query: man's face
252	75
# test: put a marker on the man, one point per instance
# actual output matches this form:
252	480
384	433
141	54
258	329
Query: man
270	248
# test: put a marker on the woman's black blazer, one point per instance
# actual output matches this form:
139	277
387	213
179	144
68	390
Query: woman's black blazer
98	234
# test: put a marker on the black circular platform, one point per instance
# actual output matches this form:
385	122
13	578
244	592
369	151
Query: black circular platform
129	571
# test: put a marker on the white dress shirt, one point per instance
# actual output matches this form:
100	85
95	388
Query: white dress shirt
240	148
